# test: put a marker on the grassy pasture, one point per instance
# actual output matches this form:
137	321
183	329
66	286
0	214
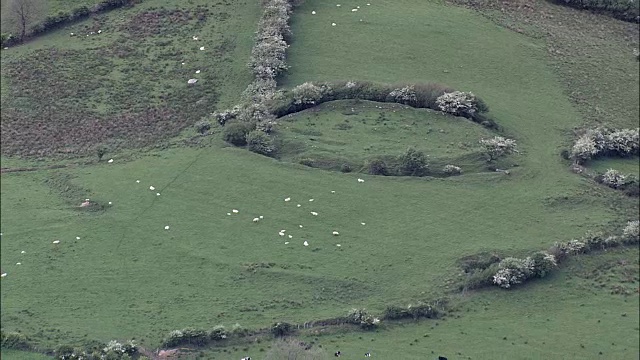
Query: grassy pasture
126	267
125	87
353	131
550	319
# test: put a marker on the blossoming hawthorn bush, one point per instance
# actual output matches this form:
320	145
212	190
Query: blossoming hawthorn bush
405	95
631	232
498	146
614	179
261	143
308	93
458	103
512	271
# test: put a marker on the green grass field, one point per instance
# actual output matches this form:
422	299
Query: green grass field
349	132
129	277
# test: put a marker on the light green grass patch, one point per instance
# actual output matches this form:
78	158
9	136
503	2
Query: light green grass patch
353	131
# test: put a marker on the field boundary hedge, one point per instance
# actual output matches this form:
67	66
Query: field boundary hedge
61	19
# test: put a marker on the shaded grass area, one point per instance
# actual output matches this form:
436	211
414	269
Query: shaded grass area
625	166
125	87
350	132
568	316
126	267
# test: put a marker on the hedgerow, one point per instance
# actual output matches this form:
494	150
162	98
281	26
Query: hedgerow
602	142
419	95
513	271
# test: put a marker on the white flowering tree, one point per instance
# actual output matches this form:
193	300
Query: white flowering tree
498	146
583	149
458	103
614	179
631	232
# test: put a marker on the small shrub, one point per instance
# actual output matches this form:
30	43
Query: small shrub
261	143
614	179
281	329
187	336
377	166
498	146
631	232
236	133
202	126
452	170
413	163
543	263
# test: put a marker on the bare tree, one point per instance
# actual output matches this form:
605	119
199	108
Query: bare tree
22	14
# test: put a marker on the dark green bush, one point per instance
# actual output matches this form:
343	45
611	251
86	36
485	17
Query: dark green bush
202	126
281	329
261	143
13	340
413	163
377	166
236	133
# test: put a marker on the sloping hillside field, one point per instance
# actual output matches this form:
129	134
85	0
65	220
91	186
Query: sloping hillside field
174	230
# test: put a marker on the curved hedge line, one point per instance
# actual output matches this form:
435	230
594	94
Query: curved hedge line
420	95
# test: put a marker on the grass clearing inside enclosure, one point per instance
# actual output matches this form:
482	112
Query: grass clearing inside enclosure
136	279
353	131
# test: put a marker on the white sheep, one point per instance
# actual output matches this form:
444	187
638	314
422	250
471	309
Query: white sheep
255	220
305	243
56	241
360	180
287	199
234	211
335	233
151	188
314	213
